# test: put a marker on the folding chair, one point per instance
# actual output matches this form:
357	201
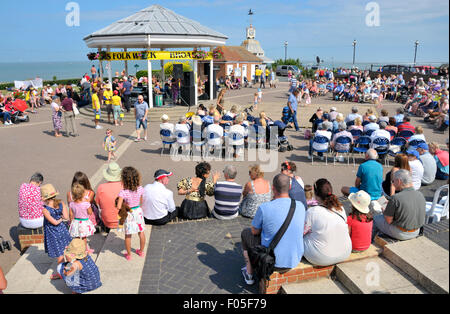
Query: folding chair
438	208
343	140
405	134
320	140
382	147
361	146
167	138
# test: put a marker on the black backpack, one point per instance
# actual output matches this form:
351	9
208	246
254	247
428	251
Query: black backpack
262	258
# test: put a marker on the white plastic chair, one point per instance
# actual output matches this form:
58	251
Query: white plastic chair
438	208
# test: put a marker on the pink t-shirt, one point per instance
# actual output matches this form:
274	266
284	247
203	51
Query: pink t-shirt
80	210
133	199
29	202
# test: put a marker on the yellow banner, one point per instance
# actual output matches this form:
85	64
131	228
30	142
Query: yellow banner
156	55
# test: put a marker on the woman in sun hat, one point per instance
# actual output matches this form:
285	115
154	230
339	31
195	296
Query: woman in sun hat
107	194
360	221
56	234
79	271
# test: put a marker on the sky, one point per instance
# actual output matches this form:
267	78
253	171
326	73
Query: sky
36	31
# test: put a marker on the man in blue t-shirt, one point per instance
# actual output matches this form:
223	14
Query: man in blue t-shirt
293	105
369	177
127	87
267	222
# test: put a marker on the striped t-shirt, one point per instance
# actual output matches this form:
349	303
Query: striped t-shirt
228	197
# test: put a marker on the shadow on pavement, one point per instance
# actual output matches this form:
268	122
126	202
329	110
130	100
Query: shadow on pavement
227	267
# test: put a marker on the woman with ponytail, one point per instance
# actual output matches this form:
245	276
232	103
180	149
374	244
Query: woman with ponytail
195	190
326	238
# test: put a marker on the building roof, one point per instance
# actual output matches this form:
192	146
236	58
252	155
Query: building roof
238	54
166	29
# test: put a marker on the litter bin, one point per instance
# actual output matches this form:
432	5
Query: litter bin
158	100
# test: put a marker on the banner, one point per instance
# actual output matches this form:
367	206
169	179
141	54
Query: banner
156	55
36	83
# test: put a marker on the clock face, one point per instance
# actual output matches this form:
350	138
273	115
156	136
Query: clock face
251	32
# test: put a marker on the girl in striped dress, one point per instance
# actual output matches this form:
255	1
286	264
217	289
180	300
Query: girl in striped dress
132	196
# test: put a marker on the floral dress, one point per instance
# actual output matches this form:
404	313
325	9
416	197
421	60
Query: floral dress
109	144
195	206
252	201
135	222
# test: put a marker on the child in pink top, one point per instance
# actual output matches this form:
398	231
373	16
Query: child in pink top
80	210
132	196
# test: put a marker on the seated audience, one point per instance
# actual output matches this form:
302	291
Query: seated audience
372	125
256	192
107	194
392	127
30	203
369	177
429	164
267	222
406	125
227	196
326	237
442	160
405	212
360	222
158	205
321	131
401	161
296	188
380	133
416	166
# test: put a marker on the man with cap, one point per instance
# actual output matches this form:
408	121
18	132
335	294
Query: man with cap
107	193
416	166
428	162
158	204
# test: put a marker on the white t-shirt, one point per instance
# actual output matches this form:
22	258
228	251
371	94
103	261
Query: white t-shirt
185	131
157	201
218	131
417	171
327	240
379	133
240	131
318	146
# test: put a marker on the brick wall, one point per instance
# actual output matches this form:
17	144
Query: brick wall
28	237
294	275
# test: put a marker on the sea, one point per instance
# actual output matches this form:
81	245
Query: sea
22	71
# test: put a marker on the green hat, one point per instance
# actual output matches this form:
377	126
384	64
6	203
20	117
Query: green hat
112	173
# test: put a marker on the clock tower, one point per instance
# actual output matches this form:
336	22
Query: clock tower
251	32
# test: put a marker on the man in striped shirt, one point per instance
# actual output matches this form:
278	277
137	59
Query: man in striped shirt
228	195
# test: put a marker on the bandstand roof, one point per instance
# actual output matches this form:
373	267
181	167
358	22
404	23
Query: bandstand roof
166	29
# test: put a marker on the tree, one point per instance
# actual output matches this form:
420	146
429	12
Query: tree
295	62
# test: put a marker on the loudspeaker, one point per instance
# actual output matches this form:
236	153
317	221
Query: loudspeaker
189	79
178	71
188	95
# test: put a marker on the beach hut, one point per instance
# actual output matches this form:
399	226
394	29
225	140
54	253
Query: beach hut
156	28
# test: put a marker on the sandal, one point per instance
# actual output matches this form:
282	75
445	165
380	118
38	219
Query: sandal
140	253
56	277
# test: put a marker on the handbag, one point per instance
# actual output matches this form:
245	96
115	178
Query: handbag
75	110
263	258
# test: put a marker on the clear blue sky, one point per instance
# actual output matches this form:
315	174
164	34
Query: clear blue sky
36	30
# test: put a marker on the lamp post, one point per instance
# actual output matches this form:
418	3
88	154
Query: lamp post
285	50
415	52
354	52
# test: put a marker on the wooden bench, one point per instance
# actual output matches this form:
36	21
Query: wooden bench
306	271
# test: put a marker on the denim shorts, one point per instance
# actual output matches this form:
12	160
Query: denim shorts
98	113
140	123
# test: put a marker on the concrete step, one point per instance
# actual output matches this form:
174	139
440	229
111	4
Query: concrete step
319	286
376	276
31	274
423	260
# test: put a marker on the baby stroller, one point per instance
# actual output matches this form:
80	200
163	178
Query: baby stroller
4	245
283	141
18	114
247	83
287	116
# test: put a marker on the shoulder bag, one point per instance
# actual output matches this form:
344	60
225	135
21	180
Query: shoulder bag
262	258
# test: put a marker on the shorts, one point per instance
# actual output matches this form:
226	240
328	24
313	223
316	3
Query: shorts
98	114
109	109
117	110
140	123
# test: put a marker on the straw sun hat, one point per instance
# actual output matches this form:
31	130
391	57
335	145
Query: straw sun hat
361	201
48	191
76	249
112	173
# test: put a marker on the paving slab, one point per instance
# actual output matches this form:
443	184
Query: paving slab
319	286
423	260
376	276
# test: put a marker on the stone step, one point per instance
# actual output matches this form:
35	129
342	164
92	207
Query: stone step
31	273
376	276
423	260
319	286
